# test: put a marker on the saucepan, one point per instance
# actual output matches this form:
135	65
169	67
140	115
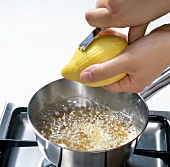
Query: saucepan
132	104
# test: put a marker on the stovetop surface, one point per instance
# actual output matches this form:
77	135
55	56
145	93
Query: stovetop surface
14	125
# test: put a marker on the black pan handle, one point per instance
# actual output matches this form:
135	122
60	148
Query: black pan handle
163	155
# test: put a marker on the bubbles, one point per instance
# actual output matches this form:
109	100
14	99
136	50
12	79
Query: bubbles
79	124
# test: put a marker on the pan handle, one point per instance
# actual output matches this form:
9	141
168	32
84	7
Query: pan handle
157	85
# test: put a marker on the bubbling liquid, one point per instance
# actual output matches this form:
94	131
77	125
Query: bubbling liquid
80	124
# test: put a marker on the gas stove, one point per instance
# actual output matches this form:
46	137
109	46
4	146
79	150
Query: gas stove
18	146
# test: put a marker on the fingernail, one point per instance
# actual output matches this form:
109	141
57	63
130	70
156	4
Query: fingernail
86	77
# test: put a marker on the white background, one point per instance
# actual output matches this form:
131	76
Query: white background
38	37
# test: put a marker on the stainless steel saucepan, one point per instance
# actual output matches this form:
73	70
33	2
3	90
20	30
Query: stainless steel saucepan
133	104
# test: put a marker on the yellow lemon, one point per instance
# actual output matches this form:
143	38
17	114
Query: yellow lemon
101	49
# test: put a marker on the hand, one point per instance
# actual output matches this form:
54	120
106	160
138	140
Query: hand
136	14
143	61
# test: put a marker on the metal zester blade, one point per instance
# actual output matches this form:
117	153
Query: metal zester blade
89	38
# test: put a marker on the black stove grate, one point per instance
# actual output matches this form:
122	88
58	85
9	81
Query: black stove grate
164	155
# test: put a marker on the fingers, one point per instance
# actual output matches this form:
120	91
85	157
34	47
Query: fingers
136	32
138	60
101	17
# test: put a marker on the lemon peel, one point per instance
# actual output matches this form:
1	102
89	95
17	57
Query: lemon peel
101	49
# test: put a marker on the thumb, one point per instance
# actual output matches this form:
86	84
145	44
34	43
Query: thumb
136	32
99	72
